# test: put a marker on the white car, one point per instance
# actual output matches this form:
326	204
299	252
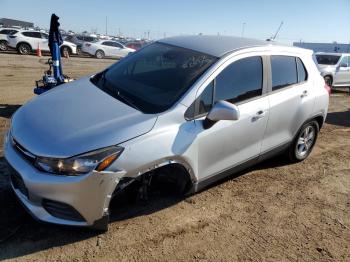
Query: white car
4	32
103	48
25	41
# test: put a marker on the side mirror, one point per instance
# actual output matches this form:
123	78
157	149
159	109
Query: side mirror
222	110
343	65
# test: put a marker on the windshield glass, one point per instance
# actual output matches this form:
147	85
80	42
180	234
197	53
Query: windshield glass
327	59
155	77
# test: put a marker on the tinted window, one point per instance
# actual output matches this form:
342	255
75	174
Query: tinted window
327	59
32	34
302	74
45	36
240	81
118	45
154	78
284	71
8	32
205	100
107	43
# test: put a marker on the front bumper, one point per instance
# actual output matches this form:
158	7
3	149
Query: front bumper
89	195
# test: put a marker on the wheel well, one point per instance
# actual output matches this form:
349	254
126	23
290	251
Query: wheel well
69	49
169	179
3	41
319	120
329	76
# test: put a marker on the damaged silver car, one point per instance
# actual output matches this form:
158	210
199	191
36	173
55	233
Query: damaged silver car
185	111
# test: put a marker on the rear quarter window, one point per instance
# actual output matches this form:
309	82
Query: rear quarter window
284	71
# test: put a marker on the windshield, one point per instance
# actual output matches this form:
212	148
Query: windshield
327	59
155	77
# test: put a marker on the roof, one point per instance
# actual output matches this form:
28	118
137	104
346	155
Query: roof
213	45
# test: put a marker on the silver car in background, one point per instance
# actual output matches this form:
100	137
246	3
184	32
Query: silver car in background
335	68
106	48
182	113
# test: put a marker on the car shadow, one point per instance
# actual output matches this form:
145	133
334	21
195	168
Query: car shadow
339	118
17	227
7	110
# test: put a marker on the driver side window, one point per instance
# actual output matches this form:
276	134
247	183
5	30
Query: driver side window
240	81
345	61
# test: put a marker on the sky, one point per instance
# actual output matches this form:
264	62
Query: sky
303	20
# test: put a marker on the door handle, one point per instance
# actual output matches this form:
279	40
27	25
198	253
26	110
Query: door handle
305	93
258	115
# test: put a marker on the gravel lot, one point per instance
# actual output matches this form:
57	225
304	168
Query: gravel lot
272	212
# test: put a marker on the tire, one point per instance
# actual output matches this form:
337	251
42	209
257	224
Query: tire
65	49
304	142
24	49
78	50
3	45
328	80
99	54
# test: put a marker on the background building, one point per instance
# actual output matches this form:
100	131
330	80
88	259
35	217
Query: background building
325	47
6	22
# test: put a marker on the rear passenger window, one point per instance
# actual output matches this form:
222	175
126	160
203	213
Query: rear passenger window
284	71
302	74
240	81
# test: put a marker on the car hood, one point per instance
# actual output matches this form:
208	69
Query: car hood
76	118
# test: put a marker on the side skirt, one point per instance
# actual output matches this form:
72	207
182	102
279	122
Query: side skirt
231	171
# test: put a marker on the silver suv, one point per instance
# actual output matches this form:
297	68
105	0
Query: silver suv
335	68
182	113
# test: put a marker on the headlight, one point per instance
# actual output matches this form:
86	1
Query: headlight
96	160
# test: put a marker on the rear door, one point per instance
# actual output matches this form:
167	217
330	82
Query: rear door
291	101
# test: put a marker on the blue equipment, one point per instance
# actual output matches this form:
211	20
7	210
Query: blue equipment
50	80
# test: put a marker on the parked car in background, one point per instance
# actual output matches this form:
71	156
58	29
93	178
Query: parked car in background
335	68
4	33
79	40
109	48
26	41
182	113
135	45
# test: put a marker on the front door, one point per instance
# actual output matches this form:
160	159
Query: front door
342	74
230	143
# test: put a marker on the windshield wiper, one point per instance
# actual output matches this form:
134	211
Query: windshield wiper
127	100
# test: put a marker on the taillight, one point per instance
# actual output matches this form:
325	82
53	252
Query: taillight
328	88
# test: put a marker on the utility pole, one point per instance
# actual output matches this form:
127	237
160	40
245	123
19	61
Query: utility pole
106	25
243	28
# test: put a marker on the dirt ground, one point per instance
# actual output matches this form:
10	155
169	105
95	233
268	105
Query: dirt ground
274	211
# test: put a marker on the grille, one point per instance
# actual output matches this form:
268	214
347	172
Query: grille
61	210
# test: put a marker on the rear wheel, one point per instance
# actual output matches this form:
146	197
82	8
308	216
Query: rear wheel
304	142
24	49
3	45
99	54
328	80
